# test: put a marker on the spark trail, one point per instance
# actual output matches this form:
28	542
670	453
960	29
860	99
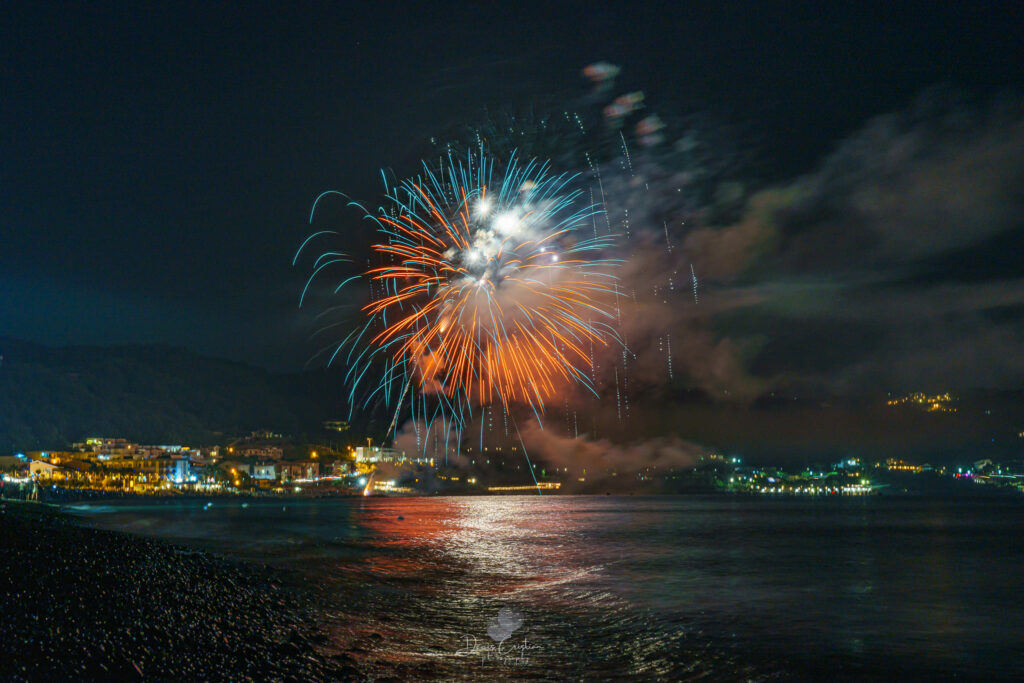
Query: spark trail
488	289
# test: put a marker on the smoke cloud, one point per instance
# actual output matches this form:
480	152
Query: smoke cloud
605	462
887	268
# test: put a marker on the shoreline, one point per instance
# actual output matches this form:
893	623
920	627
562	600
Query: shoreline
66	498
89	604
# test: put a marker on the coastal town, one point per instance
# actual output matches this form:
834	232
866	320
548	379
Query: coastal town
266	463
260	463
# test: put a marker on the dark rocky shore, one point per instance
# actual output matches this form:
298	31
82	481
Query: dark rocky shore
86	604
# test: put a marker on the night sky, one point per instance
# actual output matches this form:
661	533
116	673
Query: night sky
158	166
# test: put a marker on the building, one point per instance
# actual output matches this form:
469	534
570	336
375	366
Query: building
896	465
39	468
58	457
262	434
266	471
261	452
304	469
182	471
376	454
151	469
143	452
111	448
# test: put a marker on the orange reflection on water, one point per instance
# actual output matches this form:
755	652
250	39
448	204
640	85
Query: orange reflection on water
489	545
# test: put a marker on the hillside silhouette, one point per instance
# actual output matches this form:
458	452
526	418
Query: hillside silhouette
51	397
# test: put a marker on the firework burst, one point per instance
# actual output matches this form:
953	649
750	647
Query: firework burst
488	288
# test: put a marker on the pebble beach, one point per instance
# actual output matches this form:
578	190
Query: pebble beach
94	605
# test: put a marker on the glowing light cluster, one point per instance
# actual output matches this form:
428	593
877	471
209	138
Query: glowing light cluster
937	403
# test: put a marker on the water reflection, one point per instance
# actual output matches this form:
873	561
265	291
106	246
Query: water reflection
673	588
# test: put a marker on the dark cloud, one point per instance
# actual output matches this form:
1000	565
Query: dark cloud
857	248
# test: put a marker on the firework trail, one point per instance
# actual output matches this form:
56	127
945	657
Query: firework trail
625	153
465	315
486	291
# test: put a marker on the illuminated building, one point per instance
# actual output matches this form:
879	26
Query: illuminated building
153	470
544	485
376	454
266	471
304	469
939	403
895	465
262	434
263	452
112	448
39	468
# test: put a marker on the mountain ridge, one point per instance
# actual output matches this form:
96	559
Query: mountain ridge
53	396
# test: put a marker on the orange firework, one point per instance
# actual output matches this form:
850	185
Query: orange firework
488	289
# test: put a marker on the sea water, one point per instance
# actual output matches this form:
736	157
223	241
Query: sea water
659	588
